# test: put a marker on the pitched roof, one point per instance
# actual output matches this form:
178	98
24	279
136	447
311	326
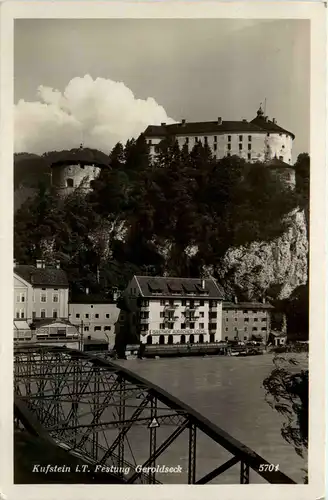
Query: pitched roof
157	286
257	125
276	163
194	128
246	305
270	126
82	156
48	276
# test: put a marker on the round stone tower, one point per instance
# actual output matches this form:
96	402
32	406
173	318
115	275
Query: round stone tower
76	168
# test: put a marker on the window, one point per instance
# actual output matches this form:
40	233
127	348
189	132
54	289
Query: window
107	328
86	328
196	139
215	147
229	138
162	326
149	142
55	297
87	315
227	329
283	146
249	156
240	138
268	134
213	315
254	328
17	314
33	314
229	147
215	138
43	313
201	326
240	147
192	326
249	147
183	326
162	302
236	319
55	313
212	326
184	302
201	315
255	319
227	319
69	183
77	315
161	314
96	315
245	338
213	303
228	154
107	315
205	139
245	329
43	297
22	314
263	329
22	297
249	138
201	302
97	328
187	140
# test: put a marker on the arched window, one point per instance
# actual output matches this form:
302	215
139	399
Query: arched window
149	339
161	339
192	338
170	339
201	338
212	337
183	339
69	182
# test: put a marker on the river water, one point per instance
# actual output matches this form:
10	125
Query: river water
228	391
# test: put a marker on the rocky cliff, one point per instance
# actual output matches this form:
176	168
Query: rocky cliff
273	269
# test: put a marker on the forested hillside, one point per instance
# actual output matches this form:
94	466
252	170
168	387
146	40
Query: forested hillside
177	216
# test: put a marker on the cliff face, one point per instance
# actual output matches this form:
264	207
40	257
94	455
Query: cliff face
272	268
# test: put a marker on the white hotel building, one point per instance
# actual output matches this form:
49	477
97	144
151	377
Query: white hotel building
166	310
260	139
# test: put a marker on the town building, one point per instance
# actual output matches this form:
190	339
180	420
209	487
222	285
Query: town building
246	320
77	168
260	139
40	292
95	317
166	310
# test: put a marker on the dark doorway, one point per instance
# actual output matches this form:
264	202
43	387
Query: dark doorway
212	337
192	338
201	338
149	339
161	339
170	339
183	339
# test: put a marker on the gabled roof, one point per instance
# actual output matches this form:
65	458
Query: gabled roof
276	163
157	286
246	305
48	276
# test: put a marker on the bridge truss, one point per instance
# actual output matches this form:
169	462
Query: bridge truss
118	421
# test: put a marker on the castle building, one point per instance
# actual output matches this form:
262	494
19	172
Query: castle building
77	168
165	310
260	139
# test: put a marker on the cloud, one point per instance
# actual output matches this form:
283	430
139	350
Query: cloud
97	112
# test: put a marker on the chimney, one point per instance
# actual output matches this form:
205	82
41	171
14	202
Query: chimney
274	120
244	120
219	120
57	263
87	291
266	118
40	264
183	122
163	124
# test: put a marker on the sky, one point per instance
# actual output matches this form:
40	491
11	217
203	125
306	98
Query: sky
103	81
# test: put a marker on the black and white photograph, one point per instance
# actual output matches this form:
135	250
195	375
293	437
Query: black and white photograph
161	251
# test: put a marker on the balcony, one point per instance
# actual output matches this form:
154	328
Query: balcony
144	308
144	321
